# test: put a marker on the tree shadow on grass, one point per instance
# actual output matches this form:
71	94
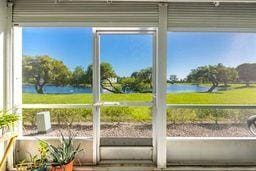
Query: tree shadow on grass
217	92
244	87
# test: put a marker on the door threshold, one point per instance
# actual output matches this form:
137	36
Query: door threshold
127	162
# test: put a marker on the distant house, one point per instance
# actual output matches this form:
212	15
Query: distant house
113	80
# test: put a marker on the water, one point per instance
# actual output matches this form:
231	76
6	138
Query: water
185	88
50	89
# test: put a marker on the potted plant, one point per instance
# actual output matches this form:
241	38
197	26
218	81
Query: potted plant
22	166
62	157
6	121
36	162
40	162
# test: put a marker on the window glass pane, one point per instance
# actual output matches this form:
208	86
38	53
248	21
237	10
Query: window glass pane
56	65
126	67
126	75
210	122
126	122
211	68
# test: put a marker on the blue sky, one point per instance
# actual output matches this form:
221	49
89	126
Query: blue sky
128	53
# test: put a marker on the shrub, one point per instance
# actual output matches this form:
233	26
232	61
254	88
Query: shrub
116	114
60	116
180	115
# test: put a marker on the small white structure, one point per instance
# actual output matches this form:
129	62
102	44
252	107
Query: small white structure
113	80
43	121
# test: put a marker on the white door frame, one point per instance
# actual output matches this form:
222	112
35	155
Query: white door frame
96	83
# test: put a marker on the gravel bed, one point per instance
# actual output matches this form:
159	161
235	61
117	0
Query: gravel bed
145	130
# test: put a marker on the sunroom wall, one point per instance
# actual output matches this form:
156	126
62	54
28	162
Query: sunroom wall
3	11
3	17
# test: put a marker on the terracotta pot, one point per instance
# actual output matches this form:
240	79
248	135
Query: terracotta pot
66	167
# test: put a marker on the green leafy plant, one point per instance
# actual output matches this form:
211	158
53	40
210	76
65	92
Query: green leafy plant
22	166
64	153
40	161
7	119
36	162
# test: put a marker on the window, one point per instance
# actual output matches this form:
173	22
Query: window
57	78
211	84
126	77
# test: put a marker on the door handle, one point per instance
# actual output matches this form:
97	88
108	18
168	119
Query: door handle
106	104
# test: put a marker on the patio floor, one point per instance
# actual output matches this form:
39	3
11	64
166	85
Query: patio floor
172	168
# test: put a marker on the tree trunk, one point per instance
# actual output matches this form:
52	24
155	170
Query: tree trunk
225	84
247	84
214	85
39	88
114	90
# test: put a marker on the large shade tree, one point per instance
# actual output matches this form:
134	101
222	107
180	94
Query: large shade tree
173	79
78	76
247	73
226	74
215	74
139	81
42	70
106	73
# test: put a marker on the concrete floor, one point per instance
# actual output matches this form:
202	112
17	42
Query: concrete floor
172	168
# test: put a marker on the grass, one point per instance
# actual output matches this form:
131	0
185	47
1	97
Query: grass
236	94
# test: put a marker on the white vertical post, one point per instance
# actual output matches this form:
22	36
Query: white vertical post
154	135
17	74
3	25
161	69
96	98
8	72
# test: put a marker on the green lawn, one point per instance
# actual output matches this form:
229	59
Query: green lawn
235	95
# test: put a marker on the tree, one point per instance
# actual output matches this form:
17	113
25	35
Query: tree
204	74
173	79
214	74
144	76
78	76
40	70
226	74
247	73
128	84
106	72
139	81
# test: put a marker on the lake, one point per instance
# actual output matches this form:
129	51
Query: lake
51	89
